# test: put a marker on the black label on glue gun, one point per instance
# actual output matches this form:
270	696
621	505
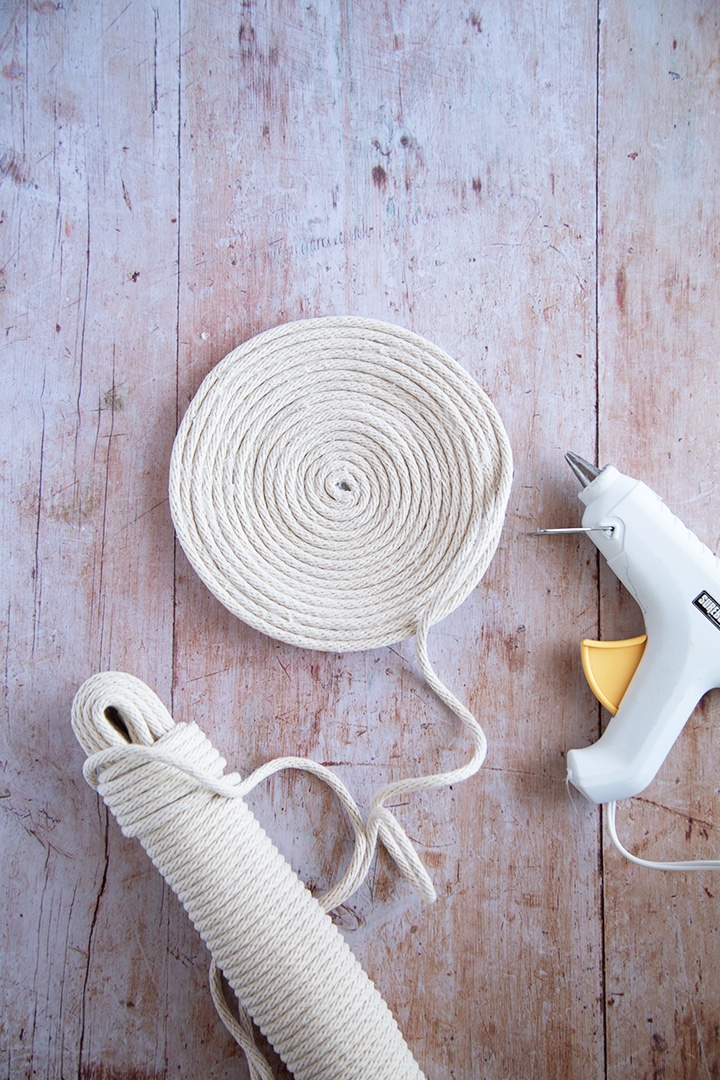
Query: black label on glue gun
709	607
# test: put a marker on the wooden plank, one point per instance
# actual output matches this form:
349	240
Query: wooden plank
658	392
89	166
401	164
436	169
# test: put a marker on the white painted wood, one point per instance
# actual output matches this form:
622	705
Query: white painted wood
658	301
89	208
175	178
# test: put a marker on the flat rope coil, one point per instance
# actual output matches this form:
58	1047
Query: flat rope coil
338	482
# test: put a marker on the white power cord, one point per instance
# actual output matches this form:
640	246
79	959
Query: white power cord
691	864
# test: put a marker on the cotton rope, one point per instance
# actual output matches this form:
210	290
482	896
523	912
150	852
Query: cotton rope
341	484
278	949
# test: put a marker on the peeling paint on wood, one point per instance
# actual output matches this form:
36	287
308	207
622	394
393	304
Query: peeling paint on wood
177	178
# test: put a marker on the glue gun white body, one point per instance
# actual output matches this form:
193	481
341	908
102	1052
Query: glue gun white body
676	581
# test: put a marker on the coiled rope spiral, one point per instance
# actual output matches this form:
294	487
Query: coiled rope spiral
338	484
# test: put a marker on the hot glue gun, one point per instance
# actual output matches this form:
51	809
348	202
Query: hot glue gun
652	683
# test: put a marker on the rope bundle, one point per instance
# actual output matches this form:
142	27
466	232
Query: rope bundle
278	949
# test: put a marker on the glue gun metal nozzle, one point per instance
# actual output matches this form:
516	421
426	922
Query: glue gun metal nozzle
584	471
607	529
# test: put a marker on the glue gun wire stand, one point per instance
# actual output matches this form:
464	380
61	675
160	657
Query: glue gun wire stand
656	681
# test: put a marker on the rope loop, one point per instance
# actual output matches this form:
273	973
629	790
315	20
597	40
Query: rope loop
385	826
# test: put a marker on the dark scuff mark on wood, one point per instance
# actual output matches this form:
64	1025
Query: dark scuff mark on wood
379	177
96	1070
13	166
620	288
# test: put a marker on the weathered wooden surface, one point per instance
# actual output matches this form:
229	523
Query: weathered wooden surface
534	188
658	394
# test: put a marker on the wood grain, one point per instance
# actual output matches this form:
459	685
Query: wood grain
532	187
90	332
658	303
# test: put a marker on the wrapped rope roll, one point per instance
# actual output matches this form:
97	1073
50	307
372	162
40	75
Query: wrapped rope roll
274	942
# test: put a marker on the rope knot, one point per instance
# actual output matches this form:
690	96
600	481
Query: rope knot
385	826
